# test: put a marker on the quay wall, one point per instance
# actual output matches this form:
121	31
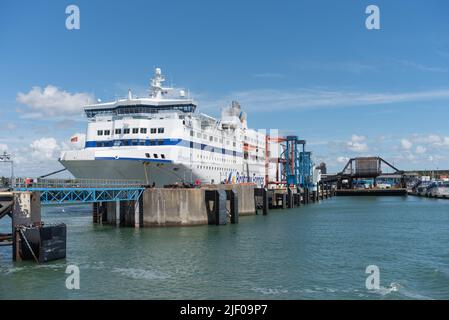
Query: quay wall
185	207
171	207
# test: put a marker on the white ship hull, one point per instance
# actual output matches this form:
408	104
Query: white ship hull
159	174
438	191
147	172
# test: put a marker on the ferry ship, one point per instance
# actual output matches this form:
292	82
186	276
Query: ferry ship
162	139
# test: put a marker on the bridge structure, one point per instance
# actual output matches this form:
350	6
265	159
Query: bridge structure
365	168
75	191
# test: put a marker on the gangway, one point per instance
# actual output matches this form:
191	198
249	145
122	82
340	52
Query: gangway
75	191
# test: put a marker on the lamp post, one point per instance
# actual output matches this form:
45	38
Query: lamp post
7	157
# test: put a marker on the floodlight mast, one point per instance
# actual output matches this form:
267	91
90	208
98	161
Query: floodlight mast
7	158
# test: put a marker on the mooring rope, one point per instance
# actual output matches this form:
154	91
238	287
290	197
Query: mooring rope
28	245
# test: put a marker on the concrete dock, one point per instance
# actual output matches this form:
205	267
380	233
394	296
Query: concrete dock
372	192
162	207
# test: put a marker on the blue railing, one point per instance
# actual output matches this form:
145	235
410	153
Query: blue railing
75	191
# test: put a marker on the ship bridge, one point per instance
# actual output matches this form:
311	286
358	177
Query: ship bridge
161	99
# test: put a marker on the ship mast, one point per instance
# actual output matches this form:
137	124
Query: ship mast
156	88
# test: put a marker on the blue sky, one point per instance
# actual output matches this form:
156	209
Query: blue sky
304	67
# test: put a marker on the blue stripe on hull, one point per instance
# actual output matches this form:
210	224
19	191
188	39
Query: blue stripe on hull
135	159
162	142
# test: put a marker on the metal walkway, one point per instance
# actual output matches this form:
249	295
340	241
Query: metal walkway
75	191
6	202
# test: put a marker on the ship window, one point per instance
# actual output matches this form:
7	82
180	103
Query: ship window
107	132
216	139
135	142
100	132
118	131
135	130
162	156
204	137
143	130
142	142
191	133
153	130
155	156
160	130
211	138
147	155
198	135
126	131
233	143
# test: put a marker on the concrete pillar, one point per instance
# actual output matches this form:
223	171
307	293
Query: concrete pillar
284	201
117	213
290	200
26	208
31	239
265	201
216	206
94	212
233	205
26	212
127	213
137	214
99	212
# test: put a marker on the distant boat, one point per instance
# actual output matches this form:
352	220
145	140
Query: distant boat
422	188
438	189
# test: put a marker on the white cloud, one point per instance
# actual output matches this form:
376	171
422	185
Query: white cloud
357	144
52	101
3	147
45	149
356	138
285	99
443	142
431	140
406	144
420	150
342	159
